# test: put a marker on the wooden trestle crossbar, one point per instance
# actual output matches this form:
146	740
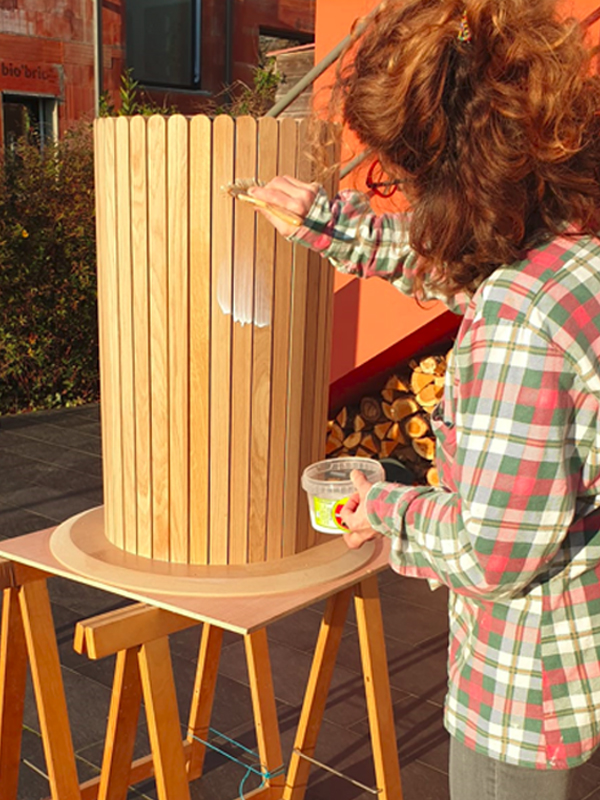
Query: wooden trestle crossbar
138	636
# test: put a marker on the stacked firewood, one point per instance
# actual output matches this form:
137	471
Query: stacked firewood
395	422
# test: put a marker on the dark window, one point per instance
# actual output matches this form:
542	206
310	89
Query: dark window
27	115
163	42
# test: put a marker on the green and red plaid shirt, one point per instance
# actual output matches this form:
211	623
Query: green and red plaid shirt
514	528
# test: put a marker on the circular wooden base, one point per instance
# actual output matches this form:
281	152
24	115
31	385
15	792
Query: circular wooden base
81	545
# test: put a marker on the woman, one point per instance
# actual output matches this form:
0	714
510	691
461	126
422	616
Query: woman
488	115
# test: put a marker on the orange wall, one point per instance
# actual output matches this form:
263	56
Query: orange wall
375	327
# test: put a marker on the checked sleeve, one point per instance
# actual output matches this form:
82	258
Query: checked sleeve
510	496
359	242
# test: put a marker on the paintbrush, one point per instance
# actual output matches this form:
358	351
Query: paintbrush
239	190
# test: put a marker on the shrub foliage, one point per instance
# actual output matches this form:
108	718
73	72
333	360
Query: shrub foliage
48	324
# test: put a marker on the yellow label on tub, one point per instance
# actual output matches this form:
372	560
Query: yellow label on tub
326	513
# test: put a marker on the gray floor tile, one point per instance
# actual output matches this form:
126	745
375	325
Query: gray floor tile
15	522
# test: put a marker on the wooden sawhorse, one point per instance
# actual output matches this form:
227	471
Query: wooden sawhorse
138	634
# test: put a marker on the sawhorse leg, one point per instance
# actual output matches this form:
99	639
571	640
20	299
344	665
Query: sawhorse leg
13	675
377	688
134	634
28	632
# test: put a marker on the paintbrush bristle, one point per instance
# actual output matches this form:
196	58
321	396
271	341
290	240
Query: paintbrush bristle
240	186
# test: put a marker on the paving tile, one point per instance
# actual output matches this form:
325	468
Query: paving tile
420	733
57	454
186	643
15	522
67	478
418	669
85	601
54	434
411	623
51	476
299	630
412	590
584	782
32	785
87	705
290	670
80	416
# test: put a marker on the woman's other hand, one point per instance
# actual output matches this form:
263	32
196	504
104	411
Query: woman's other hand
354	513
288	193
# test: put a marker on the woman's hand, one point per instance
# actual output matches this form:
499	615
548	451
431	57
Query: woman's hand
354	513
288	193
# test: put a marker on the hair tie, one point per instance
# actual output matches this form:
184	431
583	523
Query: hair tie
464	31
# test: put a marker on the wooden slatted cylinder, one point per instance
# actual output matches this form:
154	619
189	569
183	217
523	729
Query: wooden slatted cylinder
214	342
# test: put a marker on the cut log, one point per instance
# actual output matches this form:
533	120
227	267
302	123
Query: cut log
419	380
368	443
396	384
432	477
395	434
386	448
424	447
381	430
337	431
364	453
332	445
352	440
430	394
416	426
359	423
389	395
342	417
370	409
430	364
403	407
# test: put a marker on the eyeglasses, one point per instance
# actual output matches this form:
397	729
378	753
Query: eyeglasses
375	184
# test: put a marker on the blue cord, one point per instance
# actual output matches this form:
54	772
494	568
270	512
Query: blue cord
262	773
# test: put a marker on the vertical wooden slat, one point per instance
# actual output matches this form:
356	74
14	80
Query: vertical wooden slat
303	392
220	370
241	353
159	327
268	134
200	288
125	322
178	252
108	306
279	541
141	331
316	383
323	353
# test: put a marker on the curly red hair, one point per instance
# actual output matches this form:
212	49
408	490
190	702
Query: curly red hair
498	136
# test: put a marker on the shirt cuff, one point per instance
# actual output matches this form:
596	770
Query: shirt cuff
387	504
313	232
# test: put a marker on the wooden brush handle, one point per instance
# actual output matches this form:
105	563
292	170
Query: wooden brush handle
281	213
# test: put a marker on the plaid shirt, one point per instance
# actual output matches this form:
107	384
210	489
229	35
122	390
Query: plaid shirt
513	530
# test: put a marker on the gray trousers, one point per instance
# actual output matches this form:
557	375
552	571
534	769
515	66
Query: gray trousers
474	776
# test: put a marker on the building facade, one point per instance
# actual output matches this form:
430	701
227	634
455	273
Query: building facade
58	56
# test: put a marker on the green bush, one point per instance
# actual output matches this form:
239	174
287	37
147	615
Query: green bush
48	324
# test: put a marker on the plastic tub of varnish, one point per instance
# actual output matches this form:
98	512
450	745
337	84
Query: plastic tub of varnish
328	488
